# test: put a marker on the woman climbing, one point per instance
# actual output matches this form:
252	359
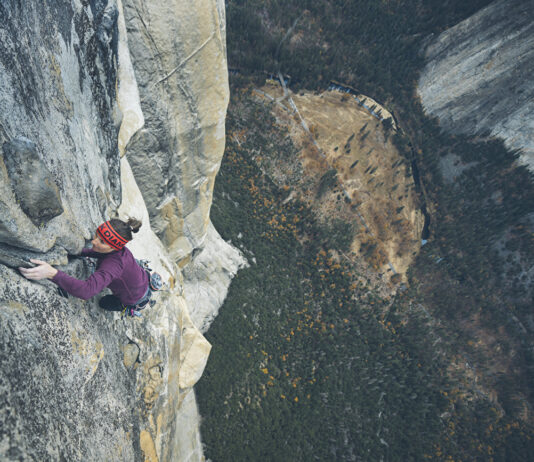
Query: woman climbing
116	269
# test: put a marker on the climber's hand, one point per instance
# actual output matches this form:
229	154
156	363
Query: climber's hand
42	271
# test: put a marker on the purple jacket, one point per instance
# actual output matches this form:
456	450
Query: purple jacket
117	270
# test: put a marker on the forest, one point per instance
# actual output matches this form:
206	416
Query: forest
308	363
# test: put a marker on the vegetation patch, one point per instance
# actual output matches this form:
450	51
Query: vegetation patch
303	348
452	353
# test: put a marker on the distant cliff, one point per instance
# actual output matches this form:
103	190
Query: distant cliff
478	75
77	383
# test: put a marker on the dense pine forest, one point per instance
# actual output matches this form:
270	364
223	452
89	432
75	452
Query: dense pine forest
308	362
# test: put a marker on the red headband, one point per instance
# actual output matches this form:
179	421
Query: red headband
110	236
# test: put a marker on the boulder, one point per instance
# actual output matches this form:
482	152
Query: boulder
32	182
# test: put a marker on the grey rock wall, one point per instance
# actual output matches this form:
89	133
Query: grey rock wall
31	181
478	75
65	393
78	383
57	93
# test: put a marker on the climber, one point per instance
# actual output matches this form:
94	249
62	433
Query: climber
116	268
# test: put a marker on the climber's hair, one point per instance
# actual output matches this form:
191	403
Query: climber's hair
126	228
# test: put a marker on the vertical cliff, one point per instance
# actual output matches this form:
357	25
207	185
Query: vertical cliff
77	383
477	77
179	57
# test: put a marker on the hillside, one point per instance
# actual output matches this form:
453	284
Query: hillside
307	343
463	315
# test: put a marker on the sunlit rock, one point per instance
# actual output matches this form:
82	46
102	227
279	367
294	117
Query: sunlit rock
208	276
179	58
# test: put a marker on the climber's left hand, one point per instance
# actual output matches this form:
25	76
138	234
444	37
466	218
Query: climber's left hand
42	271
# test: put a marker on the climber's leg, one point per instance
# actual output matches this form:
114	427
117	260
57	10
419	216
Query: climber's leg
110	303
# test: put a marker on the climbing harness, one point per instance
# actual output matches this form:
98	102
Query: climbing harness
135	310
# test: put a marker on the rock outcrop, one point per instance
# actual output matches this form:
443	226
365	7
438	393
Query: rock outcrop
477	78
77	383
207	277
179	58
31	181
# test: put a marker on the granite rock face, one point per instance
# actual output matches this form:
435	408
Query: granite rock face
58	75
64	391
31	181
15	257
208	276
478	76
78	383
179	58
171	354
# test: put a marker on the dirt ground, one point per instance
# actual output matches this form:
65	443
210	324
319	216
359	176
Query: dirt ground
370	183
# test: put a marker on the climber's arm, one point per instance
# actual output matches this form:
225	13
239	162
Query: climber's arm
100	279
